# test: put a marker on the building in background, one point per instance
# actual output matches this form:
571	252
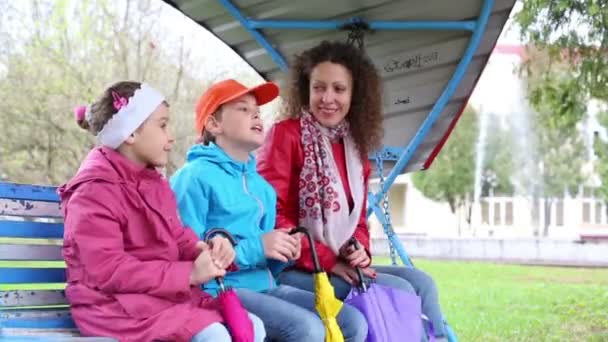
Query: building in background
574	216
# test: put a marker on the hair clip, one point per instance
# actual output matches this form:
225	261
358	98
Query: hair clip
119	101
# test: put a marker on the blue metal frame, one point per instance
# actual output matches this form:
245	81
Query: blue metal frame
392	238
253	26
440	104
390	153
477	27
276	56
467	25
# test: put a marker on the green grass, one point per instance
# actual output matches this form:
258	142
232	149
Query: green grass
491	302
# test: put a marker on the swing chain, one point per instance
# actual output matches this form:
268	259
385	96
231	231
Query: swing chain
356	35
387	225
357	28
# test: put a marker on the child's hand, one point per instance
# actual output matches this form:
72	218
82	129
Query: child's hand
205	269
279	245
202	245
298	237
222	251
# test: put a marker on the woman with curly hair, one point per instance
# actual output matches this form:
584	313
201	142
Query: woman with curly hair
316	159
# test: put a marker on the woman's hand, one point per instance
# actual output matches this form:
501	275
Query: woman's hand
346	272
349	274
355	257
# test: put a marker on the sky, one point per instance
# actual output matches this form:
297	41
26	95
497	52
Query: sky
217	61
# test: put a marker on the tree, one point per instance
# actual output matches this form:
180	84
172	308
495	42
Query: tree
561	149
450	179
568	68
601	151
64	53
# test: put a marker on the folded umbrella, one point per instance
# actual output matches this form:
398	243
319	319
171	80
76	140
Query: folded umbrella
326	303
392	314
235	316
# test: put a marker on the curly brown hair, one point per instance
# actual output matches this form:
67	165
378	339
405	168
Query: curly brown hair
365	114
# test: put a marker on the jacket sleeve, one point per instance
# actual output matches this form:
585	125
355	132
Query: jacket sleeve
193	198
327	258
96	229
185	236
268	223
362	230
186	240
279	163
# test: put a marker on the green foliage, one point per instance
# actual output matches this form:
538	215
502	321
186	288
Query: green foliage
65	53
451	177
567	68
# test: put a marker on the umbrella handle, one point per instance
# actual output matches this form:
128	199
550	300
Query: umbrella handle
362	284
219	231
311	242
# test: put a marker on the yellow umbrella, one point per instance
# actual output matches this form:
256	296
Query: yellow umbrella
328	307
326	303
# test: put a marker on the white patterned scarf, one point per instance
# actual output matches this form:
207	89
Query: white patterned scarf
323	203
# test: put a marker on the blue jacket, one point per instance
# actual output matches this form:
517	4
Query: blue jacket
215	191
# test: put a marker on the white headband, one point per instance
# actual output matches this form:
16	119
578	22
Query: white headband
122	124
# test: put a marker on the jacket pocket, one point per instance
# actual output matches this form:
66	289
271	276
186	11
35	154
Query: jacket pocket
139	305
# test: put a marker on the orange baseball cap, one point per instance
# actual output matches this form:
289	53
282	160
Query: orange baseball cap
226	91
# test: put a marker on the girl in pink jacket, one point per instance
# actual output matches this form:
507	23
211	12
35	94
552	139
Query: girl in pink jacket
133	271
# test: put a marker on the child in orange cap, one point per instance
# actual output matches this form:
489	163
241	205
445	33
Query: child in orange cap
220	187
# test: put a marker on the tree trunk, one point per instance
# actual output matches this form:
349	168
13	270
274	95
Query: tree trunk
547	213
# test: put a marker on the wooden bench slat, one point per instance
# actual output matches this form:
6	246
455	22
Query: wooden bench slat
28	229
32	298
31	275
47	335
39	323
30	252
29	192
19	204
28	208
43	324
37	318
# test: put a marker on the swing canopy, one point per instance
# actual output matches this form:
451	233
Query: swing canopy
429	53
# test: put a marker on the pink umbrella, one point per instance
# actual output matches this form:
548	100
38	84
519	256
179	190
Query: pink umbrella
235	316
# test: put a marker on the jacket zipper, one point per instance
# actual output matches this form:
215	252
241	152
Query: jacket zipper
260	215
257	200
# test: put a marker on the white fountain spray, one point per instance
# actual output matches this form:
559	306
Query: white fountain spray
505	101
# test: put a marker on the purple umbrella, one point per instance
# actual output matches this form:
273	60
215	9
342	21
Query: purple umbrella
392	314
235	316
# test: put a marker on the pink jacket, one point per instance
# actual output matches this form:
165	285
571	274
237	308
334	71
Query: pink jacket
128	256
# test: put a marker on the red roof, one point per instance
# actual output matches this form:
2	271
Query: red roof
511	49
